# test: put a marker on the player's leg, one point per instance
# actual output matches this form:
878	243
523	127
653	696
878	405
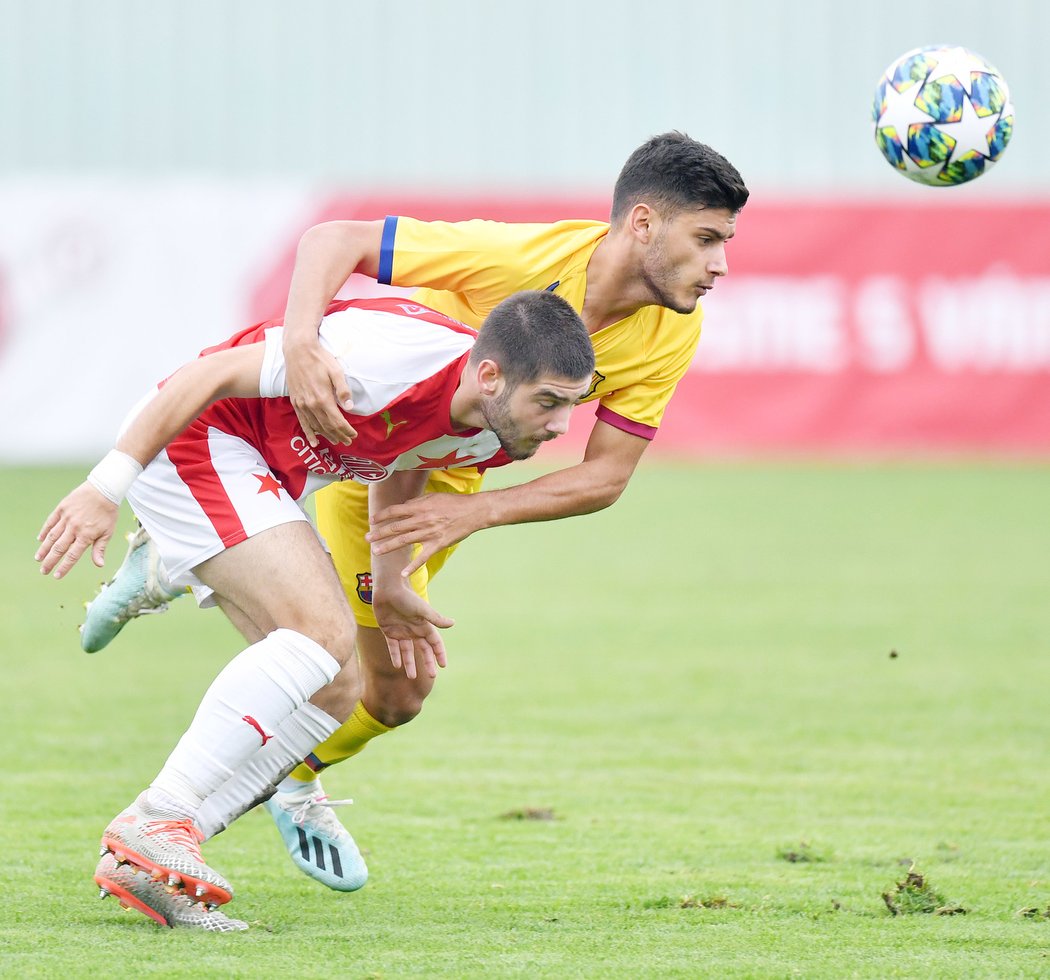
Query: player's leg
282	572
309	829
254	780
318	844
300	808
391	698
278	575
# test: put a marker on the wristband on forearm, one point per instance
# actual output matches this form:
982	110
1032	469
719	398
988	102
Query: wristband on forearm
113	476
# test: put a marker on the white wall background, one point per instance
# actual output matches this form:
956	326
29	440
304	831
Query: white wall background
468	93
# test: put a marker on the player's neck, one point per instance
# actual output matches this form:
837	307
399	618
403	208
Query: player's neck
464	409
614	290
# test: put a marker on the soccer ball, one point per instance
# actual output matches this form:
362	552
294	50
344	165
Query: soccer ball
942	115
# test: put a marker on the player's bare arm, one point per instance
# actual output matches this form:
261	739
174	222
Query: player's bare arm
328	254
409	624
439	520
86	518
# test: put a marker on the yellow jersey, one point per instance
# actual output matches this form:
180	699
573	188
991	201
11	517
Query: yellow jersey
466	268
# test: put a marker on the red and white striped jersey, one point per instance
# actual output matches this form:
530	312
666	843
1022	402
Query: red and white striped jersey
402	363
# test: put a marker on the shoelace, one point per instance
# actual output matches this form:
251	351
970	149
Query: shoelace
300	810
179	832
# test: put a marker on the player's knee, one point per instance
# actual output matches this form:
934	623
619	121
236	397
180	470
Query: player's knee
395	715
339	697
336	633
395	704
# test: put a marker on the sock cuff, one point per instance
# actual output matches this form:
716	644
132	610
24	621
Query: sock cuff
362	716
309	652
318	722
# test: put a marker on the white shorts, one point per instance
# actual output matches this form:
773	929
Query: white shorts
201	496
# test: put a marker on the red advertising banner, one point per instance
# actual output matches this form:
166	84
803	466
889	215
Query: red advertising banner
841	328
876	327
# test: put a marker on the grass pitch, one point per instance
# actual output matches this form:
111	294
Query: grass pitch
754	720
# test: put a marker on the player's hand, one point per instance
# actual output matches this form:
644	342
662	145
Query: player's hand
410	626
84	519
433	521
317	388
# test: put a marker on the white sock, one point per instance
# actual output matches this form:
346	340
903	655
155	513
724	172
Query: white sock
159	800
300	734
242	711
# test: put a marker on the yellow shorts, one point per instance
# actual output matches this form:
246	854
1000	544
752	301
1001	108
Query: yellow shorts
342	519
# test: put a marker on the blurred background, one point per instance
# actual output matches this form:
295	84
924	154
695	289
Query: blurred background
158	162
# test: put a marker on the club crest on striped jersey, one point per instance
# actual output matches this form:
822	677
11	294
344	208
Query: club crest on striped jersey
324	462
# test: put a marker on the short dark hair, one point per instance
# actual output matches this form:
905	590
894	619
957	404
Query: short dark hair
534	334
673	172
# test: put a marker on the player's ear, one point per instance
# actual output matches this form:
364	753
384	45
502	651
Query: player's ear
490	377
640	222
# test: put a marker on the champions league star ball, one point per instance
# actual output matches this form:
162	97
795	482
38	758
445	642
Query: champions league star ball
942	115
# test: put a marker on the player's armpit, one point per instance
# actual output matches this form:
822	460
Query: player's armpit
229	373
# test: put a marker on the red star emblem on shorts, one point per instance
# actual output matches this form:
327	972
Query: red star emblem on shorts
267	481
449	459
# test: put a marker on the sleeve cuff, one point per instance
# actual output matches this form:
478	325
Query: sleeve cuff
386	251
608	416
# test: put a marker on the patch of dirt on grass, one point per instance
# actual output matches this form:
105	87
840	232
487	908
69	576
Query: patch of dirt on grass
716	902
691	902
915	895
801	853
529	813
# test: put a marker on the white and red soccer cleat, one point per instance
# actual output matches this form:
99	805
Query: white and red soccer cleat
166	846
165	905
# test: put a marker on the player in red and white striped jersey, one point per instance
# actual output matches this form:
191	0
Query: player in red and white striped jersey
215	465
247	464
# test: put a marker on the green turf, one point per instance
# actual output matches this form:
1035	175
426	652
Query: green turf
752	697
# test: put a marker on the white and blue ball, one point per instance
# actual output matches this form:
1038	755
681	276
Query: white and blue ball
943	115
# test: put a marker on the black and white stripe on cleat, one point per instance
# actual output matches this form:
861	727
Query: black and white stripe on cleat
317	857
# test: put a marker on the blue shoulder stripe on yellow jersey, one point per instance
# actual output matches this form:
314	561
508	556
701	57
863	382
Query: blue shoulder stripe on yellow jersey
386	250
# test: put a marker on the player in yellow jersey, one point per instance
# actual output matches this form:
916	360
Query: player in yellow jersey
636	281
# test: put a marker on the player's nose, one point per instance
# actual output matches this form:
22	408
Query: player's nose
559	423
718	264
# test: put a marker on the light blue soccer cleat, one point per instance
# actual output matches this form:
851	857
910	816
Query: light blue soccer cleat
139	588
319	845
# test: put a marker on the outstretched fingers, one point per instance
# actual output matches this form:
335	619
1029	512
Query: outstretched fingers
404	654
83	520
62	548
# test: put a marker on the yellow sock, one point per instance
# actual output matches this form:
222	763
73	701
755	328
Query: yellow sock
357	731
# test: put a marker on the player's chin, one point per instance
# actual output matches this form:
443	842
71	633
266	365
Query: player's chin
523	450
685	304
